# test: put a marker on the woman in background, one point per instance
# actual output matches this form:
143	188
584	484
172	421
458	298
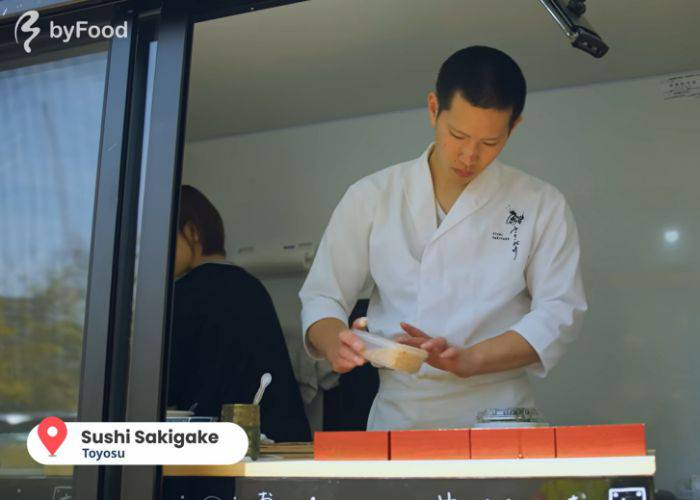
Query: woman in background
226	334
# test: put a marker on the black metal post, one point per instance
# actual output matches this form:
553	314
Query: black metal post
151	323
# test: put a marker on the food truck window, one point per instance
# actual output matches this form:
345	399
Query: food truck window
288	107
51	110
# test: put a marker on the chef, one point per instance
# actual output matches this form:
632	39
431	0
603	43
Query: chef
471	259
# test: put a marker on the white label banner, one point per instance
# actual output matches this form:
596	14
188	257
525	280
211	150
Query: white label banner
137	443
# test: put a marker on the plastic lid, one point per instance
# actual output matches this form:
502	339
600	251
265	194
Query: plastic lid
373	341
382	352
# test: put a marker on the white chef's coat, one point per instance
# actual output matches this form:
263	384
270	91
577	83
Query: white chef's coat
506	257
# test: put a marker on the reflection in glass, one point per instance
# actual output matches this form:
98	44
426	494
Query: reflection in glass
48	161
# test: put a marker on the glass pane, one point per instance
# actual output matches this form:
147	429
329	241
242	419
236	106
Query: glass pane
50	128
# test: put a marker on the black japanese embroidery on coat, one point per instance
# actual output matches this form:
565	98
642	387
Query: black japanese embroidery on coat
514	219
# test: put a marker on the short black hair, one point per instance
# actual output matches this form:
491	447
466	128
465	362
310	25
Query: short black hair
197	210
485	77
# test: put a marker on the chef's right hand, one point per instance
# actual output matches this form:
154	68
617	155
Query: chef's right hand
348	354
345	352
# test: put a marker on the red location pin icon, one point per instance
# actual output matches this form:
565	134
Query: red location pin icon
52	432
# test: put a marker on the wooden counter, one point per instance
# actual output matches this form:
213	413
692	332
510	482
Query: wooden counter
276	467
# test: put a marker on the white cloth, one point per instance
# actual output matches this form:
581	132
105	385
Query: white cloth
440	212
506	257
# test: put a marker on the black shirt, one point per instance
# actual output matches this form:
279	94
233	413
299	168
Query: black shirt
225	336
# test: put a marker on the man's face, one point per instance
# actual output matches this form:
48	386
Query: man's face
467	138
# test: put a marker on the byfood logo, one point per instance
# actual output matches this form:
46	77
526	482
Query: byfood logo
27	21
25	24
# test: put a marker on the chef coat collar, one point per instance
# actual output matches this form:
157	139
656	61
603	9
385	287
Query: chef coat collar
418	187
420	196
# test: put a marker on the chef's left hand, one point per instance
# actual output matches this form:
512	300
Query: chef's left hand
441	354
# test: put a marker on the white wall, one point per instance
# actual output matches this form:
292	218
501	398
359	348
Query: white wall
628	162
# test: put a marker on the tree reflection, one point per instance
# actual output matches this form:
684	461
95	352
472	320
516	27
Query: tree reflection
41	341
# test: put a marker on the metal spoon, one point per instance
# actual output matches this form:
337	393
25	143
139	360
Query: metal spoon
264	382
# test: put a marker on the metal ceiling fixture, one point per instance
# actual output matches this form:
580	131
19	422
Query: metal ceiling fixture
570	19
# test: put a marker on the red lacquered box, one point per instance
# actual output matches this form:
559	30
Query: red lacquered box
516	442
351	445
601	441
448	444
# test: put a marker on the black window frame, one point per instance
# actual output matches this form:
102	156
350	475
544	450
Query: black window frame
125	343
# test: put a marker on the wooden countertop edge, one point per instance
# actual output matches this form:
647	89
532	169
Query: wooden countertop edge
406	469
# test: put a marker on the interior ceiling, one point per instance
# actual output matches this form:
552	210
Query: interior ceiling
322	60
